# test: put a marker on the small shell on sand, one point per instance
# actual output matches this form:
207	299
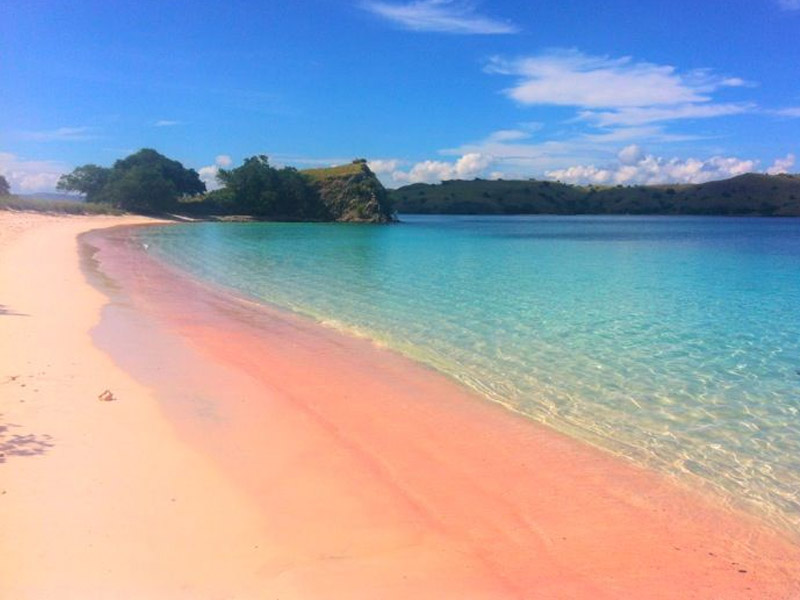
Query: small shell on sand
106	396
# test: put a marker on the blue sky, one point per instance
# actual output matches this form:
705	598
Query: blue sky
609	92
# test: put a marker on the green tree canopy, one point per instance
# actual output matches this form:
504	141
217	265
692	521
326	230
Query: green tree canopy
186	181
146	181
257	188
141	188
89	180
5	189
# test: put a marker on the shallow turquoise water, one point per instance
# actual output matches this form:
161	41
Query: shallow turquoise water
672	341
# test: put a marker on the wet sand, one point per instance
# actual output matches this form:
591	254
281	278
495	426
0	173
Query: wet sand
255	454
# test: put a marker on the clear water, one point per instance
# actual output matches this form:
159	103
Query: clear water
672	341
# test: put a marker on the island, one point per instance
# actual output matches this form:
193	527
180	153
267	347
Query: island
751	194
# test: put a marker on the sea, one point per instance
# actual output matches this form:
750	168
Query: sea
673	342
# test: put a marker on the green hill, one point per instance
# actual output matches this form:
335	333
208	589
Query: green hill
750	194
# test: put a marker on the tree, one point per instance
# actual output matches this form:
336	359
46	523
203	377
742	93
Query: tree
186	181
5	189
145	181
258	189
89	180
142	188
251	185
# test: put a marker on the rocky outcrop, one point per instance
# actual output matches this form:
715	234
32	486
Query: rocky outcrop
352	193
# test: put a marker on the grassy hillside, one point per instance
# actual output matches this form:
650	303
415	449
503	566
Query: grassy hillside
751	194
349	170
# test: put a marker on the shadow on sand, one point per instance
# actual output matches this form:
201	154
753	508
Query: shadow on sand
14	444
5	311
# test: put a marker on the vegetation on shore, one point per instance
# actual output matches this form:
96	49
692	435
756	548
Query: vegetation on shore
60	207
750	194
148	182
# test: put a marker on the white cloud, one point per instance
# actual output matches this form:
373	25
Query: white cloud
636	115
630	155
445	16
538	153
635	167
570	78
789	4
166	123
508	135
619	97
384	166
791	111
617	101
29	176
639	134
782	165
208	174
469	166
62	134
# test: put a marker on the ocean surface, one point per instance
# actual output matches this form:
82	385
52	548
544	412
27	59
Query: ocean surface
673	341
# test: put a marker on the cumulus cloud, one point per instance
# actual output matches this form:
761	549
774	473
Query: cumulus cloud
208	175
62	134
538	152
444	16
223	160
635	167
469	166
630	155
782	165
381	166
30	176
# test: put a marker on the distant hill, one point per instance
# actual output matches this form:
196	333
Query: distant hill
751	194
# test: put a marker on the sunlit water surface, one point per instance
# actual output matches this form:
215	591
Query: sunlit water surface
672	341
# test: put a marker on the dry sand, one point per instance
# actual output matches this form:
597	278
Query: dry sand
97	499
250	454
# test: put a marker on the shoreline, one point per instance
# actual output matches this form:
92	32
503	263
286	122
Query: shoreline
781	522
349	471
